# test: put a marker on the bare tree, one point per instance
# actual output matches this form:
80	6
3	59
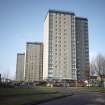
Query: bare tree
92	68
98	65
87	71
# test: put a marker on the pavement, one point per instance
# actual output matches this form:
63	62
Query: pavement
79	98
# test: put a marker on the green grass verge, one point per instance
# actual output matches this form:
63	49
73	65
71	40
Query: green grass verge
27	99
19	96
15	91
94	89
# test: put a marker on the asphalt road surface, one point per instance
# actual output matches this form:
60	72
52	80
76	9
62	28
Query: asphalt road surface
80	98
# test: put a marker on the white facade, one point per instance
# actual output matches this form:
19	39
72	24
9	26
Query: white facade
33	61
59	58
45	48
20	67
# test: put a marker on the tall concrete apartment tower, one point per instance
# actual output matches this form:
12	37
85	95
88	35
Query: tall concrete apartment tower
33	61
59	58
20	67
62	41
82	48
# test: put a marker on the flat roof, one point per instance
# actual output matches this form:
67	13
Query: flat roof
59	11
82	18
34	42
20	53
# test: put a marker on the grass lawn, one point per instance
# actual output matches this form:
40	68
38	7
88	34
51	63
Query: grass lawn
97	89
20	91
94	89
19	96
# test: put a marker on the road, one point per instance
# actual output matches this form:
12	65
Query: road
80	98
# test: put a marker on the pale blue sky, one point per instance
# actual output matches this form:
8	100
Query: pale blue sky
22	21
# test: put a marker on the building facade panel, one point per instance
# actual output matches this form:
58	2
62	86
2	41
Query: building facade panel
45	47
60	38
20	67
34	60
82	49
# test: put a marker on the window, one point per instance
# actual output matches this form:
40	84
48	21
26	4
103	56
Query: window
59	29
64	33
64	49
65	46
55	45
73	66
55	53
65	58
59	41
55	49
59	37
59	45
64	41
64	37
64	30
65	62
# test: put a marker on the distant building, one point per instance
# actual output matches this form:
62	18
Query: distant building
66	50
33	61
20	67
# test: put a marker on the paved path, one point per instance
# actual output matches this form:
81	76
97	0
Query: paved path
80	98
